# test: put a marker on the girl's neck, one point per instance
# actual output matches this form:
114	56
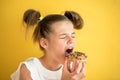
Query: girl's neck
50	63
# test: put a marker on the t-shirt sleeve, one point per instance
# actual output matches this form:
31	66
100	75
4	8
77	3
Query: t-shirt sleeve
15	75
30	66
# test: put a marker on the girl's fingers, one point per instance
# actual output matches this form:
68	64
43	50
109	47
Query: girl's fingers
65	65
77	70
82	73
71	66
77	67
83	70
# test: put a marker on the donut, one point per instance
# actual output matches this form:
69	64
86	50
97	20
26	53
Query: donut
75	56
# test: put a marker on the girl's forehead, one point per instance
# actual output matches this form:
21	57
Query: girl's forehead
62	26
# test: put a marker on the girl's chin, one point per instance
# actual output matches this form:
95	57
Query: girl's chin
63	61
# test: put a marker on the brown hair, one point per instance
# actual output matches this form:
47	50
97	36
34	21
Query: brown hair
31	18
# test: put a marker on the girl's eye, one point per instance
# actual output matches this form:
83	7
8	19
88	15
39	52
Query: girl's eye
73	35
62	37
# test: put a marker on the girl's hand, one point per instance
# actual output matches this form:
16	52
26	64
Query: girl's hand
78	71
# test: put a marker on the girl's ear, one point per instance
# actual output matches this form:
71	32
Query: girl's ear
43	43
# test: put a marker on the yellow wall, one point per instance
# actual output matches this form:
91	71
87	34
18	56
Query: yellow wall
99	38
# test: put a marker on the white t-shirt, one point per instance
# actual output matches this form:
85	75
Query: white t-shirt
38	71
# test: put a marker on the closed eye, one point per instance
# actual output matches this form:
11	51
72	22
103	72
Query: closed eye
73	35
63	37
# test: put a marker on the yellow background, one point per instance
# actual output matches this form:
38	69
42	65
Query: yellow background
99	38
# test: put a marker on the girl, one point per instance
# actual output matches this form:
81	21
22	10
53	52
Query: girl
55	35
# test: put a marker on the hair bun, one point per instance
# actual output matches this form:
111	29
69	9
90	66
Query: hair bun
75	18
31	17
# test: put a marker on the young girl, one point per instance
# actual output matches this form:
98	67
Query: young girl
55	35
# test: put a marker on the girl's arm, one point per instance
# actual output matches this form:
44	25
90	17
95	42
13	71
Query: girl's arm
24	73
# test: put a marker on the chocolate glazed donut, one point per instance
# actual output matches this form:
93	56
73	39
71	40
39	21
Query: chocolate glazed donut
75	56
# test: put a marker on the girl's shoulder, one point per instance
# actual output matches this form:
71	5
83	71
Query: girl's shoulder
32	64
31	61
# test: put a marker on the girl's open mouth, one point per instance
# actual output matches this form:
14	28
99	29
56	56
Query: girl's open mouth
68	51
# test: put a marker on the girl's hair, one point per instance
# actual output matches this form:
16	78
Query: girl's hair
42	26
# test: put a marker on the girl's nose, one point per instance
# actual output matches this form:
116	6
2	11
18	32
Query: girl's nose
70	40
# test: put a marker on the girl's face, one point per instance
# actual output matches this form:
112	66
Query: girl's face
60	40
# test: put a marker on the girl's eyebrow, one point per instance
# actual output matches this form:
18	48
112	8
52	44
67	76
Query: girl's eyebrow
73	33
